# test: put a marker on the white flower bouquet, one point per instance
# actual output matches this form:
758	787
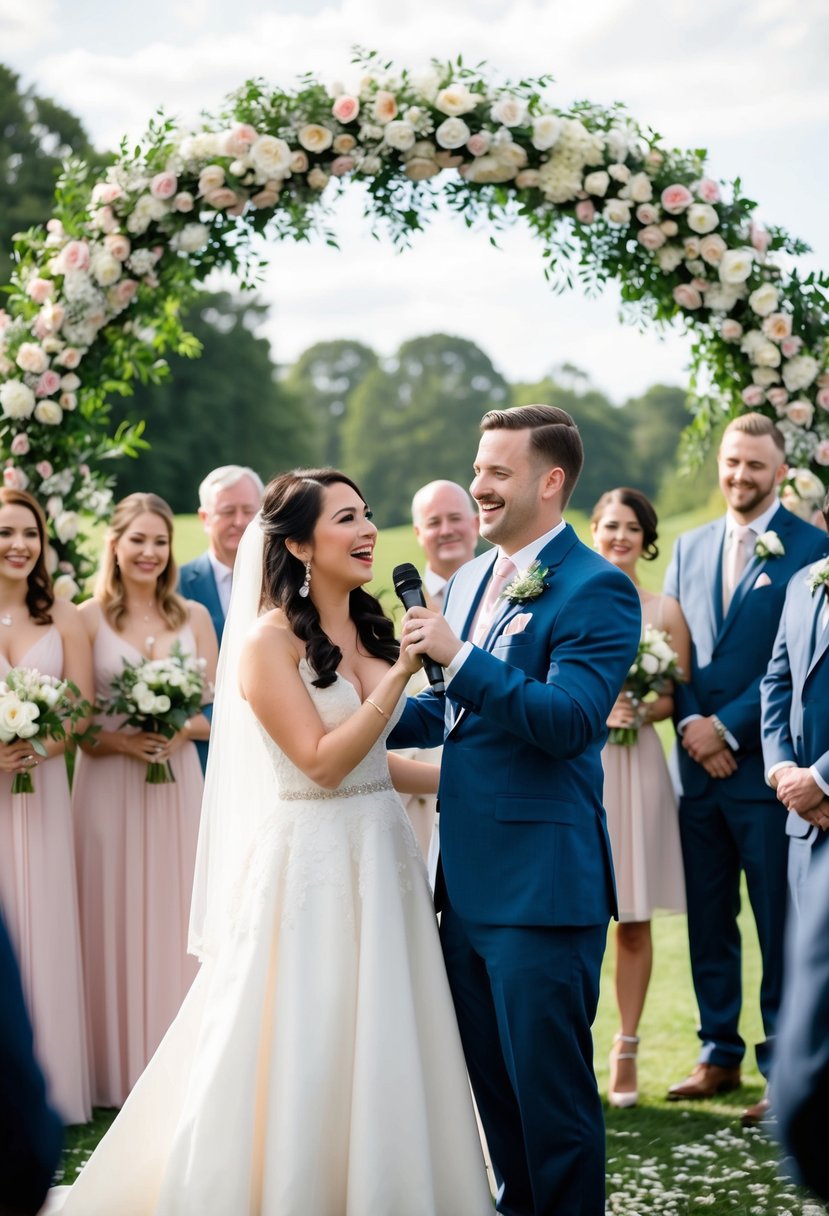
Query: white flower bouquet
656	665
159	695
35	707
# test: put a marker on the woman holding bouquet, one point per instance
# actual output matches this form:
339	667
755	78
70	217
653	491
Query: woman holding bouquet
38	888
638	793
136	841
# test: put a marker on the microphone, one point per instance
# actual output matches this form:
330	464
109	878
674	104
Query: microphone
409	588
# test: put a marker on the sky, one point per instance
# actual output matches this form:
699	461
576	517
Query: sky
745	79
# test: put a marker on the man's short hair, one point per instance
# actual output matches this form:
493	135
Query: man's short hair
554	437
441	483
223	478
758	425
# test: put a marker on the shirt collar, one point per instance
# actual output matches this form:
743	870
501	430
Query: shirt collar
526	556
221	572
759	525
434	583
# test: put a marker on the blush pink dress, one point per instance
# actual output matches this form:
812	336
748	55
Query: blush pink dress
642	818
39	897
136	850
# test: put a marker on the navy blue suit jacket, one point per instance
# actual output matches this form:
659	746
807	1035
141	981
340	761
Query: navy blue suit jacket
729	655
196	581
795	690
523	833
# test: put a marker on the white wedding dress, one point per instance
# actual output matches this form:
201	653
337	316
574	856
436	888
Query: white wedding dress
315	1067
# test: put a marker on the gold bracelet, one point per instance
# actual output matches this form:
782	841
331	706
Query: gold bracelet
374	705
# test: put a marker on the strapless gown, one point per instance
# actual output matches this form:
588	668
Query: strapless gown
315	1068
39	896
136	850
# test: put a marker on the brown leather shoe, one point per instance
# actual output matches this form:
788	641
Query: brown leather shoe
754	1115
704	1082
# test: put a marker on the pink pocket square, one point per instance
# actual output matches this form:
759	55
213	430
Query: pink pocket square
763	580
517	624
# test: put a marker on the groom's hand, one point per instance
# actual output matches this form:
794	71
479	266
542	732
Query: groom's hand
426	632
701	741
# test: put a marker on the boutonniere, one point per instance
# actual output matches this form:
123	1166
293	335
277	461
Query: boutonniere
527	586
818	575
768	544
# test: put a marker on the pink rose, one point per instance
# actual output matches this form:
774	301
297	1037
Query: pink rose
183	201
478	143
646	213
669	227
777	326
264	198
711	248
84	470
791	346
118	245
19	445
652	237
344	144
676	198
345	108
48	383
105	220
822	453
106	192
32	358
341	165
585	211
44	469
222	198
385	106
70	357
822	398
14	479
239	139
752	395
731	330
122	294
760	239
164	185
40	290
74	256
777	396
299	162
687	296
68	401
708	190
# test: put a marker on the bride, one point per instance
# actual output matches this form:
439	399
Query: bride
315	1067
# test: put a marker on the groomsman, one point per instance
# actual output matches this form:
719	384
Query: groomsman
794	696
730	578
446	526
229	497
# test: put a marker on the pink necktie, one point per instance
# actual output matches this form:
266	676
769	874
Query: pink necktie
735	562
503	571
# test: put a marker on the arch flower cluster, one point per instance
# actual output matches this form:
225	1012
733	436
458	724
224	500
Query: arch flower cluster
96	294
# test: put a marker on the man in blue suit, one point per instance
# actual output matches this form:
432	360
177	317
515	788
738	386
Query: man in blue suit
527	873
730	578
229	498
794	697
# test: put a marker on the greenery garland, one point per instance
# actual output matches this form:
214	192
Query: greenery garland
96	295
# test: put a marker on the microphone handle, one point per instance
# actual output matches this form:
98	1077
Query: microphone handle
412	597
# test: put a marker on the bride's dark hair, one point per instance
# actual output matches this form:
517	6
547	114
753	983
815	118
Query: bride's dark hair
291	506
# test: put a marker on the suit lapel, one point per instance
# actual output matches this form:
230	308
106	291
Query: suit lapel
821	644
714	554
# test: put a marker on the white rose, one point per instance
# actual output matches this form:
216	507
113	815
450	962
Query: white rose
192	238
801	412
617	211
455	100
67	526
799	372
65	587
10	715
765	376
145	703
640	188
489	169
48	413
27	730
419	168
721	297
669	257
649	663
212	177
271	157
162	704
546	130
763	300
105	268
730	330
807	484
314	138
16	399
597	183
735	265
702	218
317	178
510	110
711	249
399	135
766	354
453	133
32	358
619	173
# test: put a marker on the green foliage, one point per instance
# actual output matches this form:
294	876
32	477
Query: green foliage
323	379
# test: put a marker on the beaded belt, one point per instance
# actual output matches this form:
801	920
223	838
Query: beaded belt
344	791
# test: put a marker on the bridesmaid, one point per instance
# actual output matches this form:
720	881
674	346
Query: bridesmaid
38	889
136	842
638	794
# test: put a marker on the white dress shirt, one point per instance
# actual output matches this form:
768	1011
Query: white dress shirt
224	579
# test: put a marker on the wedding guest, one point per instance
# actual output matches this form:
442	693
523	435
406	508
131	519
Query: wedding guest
38	886
316	1065
229	498
136	842
446	526
638	793
794	695
30	1131
730	578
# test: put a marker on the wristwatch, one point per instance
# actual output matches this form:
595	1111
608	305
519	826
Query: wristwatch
719	730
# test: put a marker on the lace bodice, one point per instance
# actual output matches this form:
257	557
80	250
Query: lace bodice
334	704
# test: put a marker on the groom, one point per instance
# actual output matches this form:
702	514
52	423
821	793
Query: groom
537	638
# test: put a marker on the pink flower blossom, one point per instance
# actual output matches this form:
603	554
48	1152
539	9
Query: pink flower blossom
44	469
118	245
239	139
777	396
822	398
676	198
14	478
759	237
164	185
822	453
345	108
478	143
184	202
19	445
731	330
299	163
585	211
40	290
222	198
106	192
791	346
74	256
708	190
647	213
687	296
48	383
752	395
651	237
341	165
120	295
264	198
70	357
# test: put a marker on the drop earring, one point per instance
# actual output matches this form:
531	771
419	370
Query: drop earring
305	589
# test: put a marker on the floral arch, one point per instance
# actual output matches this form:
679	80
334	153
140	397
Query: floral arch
96	294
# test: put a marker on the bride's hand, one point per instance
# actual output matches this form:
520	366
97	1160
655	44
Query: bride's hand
623	713
409	661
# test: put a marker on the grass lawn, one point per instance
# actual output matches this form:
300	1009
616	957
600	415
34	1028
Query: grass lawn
662	1157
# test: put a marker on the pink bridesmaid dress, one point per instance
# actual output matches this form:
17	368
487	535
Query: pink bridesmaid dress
39	896
136	850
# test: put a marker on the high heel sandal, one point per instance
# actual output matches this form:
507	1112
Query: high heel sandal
625	1097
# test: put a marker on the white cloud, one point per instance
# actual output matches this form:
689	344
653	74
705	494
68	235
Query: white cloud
22	26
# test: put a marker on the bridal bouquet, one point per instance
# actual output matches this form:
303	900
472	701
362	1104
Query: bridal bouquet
158	695
654	668
37	707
